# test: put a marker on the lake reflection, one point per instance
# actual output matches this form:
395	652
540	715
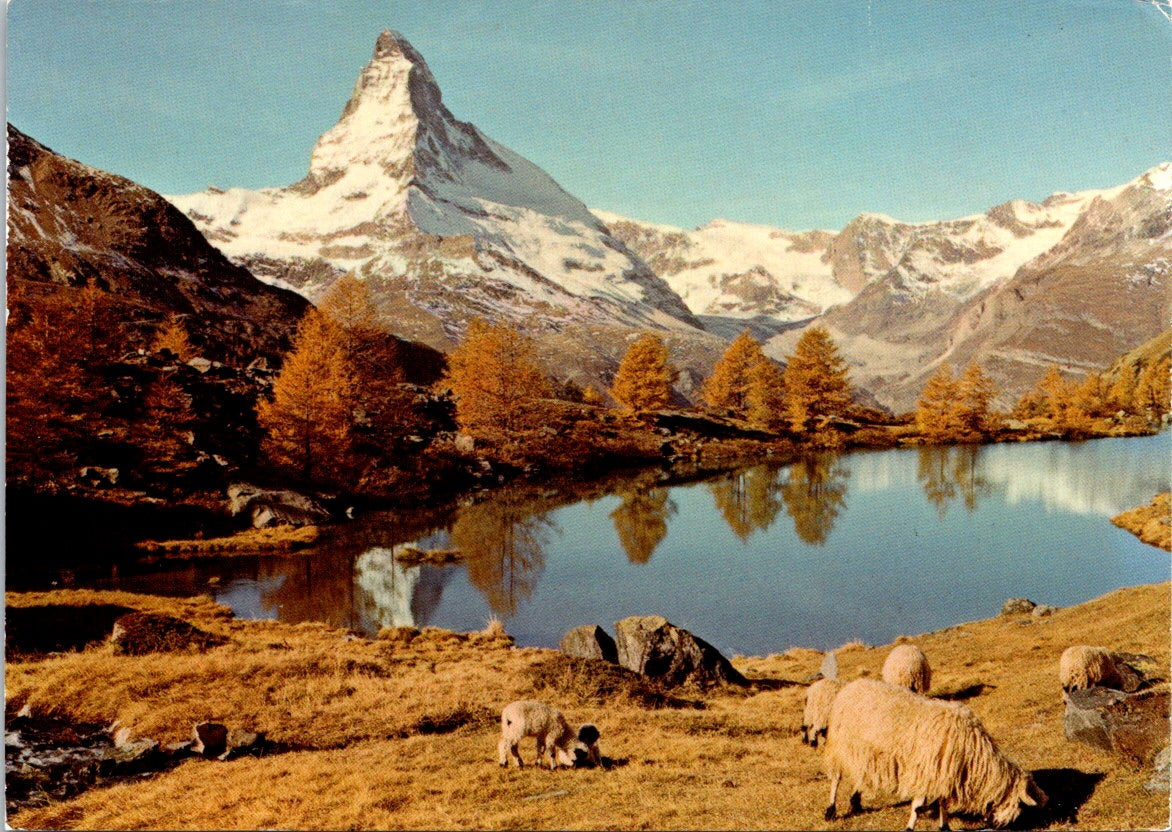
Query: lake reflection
829	549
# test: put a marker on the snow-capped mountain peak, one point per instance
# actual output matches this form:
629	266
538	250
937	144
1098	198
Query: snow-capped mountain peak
396	172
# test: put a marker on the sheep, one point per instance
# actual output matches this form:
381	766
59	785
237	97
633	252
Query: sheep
907	667
1083	667
555	738
819	697
888	739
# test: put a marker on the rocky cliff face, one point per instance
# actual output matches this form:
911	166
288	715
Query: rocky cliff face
443	222
1075	280
69	223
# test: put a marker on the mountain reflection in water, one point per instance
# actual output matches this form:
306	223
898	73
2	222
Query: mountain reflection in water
831	548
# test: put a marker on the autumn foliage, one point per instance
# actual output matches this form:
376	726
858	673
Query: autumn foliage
952	409
645	376
496	380
817	386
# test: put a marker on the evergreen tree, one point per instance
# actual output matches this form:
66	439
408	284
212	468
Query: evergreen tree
496	380
816	382
645	376
728	386
307	421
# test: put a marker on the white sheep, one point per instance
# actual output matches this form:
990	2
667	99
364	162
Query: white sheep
1082	667
555	738
887	739
816	717
907	667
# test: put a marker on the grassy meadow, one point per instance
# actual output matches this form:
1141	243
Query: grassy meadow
401	731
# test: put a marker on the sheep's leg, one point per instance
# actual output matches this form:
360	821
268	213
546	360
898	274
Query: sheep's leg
917	804
943	816
856	803
502	751
831	811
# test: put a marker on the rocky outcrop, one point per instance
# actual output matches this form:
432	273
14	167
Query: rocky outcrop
589	642
1132	725
654	647
69	223
138	633
275	507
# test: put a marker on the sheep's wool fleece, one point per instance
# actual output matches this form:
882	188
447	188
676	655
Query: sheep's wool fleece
888	739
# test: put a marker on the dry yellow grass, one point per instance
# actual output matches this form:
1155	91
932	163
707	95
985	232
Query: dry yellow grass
272	539
1151	523
401	732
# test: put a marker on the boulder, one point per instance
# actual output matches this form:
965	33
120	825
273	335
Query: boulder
1018	606
275	507
1043	610
139	633
653	647
1133	725
589	642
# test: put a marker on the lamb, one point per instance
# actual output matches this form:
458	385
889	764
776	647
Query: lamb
555	737
819	698
1083	667
888	739
907	667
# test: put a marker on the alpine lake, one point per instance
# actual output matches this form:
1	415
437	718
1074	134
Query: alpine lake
834	548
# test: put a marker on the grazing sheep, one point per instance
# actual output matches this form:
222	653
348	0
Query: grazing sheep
907	667
555	738
887	739
816	717
1084	667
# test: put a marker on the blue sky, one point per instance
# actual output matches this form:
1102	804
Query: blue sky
796	113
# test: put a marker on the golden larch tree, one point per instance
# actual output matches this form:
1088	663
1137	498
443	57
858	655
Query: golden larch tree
1154	387
936	409
645	376
975	394
728	386
173	337
765	399
816	381
307	421
496	380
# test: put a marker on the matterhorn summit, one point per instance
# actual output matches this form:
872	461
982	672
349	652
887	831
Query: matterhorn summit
446	223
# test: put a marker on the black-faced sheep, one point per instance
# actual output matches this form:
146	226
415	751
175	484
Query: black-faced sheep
816	716
907	667
1083	667
890	740
555	738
